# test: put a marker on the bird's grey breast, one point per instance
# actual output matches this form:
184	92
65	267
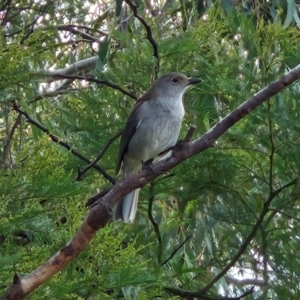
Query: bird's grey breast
158	129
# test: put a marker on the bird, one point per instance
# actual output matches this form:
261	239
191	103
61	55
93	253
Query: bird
152	128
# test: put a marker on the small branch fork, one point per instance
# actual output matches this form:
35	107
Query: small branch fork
94	162
100	214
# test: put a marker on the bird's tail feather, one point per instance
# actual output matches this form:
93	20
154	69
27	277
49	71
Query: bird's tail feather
126	209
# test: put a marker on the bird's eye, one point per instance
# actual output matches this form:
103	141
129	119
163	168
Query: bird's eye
175	79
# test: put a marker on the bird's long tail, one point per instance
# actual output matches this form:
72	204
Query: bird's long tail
126	209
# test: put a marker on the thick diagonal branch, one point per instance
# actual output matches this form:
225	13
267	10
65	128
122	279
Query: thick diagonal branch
99	215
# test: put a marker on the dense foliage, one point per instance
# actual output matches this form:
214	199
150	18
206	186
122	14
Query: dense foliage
206	209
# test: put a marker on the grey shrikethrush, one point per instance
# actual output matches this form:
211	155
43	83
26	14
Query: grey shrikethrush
152	127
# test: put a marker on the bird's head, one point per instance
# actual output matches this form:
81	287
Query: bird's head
173	84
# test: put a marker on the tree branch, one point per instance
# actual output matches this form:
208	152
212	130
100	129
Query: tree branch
100	214
52	94
93	163
189	134
284	214
21	287
82	66
9	138
73	29
61	89
243	282
271	155
79	66
7	7
31	26
77	26
201	295
148	30
154	223
57	75
175	250
57	140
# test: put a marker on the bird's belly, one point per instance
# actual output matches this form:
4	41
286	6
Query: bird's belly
153	137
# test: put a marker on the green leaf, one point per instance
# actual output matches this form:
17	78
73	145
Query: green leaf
291	7
103	50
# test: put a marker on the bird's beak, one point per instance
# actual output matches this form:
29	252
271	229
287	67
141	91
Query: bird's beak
193	81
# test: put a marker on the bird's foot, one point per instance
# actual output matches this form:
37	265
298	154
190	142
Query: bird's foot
147	164
178	149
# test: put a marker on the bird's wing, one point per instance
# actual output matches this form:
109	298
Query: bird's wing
132	124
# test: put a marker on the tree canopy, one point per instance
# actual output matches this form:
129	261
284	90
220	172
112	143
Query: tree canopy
222	224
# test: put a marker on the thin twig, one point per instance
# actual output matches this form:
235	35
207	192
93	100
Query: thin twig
189	134
61	89
52	94
147	27
149	33
74	30
271	156
93	163
58	75
70	26
175	250
9	137
264	246
165	177
190	294
154	223
7	5
31	26
284	214
57	140
243	282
